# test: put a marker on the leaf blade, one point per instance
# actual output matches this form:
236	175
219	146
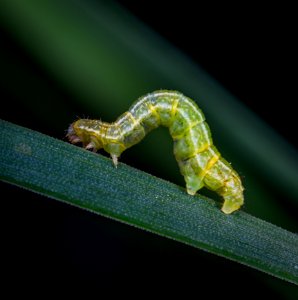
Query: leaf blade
87	180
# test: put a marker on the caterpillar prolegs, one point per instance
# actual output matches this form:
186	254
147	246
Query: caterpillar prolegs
199	161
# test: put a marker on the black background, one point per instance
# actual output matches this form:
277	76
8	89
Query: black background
249	48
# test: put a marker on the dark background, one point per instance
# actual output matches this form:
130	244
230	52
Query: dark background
49	245
250	49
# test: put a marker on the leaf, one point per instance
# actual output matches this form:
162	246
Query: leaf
71	174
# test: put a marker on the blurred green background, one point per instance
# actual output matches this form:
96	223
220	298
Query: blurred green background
66	59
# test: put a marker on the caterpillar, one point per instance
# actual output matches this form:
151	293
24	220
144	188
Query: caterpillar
199	160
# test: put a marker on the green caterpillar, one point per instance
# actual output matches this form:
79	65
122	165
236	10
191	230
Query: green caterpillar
199	161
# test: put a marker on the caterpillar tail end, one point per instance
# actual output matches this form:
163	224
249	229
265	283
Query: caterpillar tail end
232	205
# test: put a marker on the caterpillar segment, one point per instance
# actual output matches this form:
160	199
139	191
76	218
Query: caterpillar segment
199	160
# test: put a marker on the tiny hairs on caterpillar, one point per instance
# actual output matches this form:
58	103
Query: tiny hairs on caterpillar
199	161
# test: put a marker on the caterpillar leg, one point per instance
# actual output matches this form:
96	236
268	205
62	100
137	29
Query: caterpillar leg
115	159
193	184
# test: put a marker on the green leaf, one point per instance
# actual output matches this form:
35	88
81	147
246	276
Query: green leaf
71	174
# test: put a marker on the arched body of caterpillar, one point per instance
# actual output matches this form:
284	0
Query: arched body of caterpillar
199	161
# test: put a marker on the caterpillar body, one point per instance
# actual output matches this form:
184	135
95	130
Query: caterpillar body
199	161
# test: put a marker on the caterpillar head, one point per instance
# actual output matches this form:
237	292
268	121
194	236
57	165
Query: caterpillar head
94	134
